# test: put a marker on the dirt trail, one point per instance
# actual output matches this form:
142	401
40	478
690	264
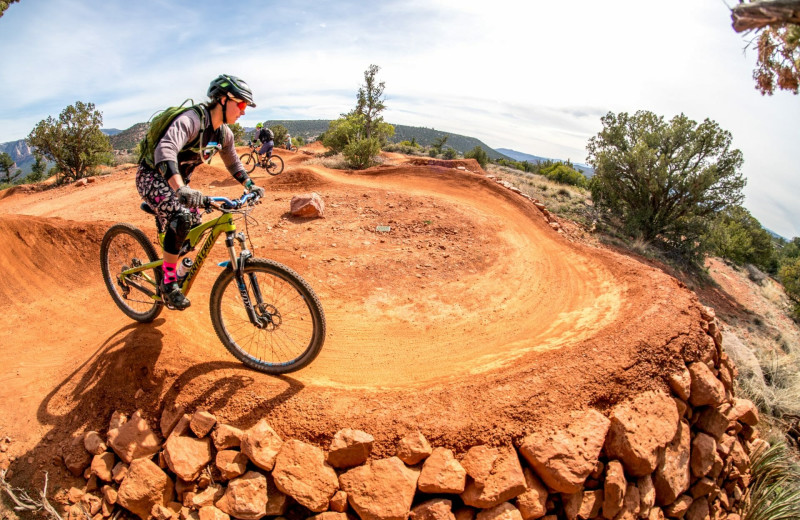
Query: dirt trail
471	320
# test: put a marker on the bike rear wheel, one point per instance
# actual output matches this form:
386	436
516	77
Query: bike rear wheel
275	165
125	246
249	162
294	328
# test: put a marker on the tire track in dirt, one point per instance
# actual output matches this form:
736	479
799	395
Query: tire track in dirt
471	320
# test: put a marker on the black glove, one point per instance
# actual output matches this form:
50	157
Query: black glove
189	197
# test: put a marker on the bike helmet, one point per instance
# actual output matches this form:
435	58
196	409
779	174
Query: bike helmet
259	125
231	86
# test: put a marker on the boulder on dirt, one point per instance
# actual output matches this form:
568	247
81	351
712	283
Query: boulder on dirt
614	489
681	383
381	490
75	456
706	388
436	509
133	439
442	473
261	445
702	457
639	428
94	443
532	503
413	448
349	448
231	463
212	513
187	456
202	422
673	476
504	511
102	465
563	458
170	416
145	486
226	436
245	497
277	501
301	472
496	476
307	205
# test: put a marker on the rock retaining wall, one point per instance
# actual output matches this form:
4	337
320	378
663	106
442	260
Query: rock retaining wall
683	454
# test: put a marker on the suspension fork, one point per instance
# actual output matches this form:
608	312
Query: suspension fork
238	262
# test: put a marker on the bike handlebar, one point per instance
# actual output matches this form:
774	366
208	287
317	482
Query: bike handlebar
228	204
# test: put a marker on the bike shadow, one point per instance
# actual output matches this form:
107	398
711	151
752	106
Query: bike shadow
122	375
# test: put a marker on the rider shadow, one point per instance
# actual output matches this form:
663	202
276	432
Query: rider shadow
217	393
107	381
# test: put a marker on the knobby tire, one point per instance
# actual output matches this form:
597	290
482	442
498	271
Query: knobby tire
293	343
124	246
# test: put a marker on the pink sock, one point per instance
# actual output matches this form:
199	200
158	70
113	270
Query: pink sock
169	272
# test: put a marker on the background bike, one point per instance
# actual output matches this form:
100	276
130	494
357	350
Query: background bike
264	313
251	159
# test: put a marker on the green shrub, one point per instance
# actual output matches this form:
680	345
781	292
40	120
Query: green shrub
561	173
774	492
450	153
359	154
479	154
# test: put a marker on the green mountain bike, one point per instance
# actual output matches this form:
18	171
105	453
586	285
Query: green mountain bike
264	313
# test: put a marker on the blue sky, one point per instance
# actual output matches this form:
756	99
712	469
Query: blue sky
534	78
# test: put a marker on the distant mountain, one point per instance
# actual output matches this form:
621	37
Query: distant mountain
126	140
21	154
520	156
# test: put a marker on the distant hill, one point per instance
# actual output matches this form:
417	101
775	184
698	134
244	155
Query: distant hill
128	139
21	154
124	141
520	156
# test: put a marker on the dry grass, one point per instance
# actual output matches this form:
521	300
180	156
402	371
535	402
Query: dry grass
565	201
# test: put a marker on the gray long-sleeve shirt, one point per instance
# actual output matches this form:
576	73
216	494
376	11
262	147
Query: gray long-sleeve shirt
182	133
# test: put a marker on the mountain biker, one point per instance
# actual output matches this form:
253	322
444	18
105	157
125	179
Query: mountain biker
266	136
181	149
288	141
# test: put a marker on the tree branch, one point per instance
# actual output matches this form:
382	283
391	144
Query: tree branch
756	15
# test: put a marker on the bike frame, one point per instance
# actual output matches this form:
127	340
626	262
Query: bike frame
222	224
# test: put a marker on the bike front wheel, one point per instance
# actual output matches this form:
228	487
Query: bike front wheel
249	162
274	165
291	327
125	247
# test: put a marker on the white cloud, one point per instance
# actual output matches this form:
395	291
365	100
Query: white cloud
529	76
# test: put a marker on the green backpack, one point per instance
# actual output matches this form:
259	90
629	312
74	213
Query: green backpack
158	127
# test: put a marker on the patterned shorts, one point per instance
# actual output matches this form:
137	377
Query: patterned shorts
153	188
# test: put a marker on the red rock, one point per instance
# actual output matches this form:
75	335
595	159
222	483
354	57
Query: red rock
261	445
563	458
531	503
134	439
639	428
442	473
302	473
672	476
496	476
706	388
145	486
349	448
413	448
381	490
